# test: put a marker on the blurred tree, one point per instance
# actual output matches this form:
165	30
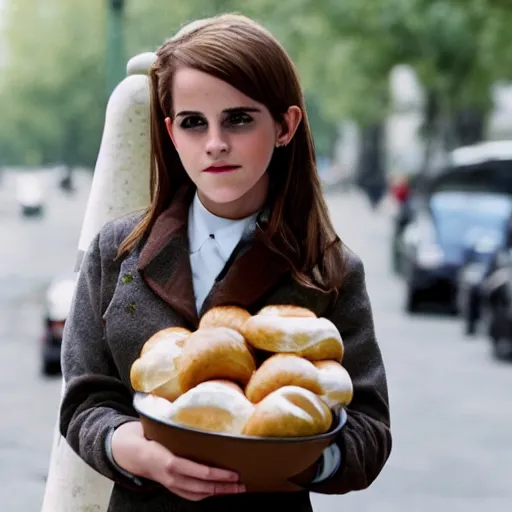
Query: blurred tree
149	25
454	47
52	85
52	82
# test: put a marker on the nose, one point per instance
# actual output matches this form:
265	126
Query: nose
217	144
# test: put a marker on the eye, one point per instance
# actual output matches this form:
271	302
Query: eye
191	122
238	119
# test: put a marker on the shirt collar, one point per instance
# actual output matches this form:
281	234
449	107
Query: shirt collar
227	232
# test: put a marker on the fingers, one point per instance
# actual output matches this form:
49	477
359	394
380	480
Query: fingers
200	471
189	479
190	495
183	477
183	484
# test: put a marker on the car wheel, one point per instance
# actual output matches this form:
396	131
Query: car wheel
395	267
502	348
469	327
395	258
472	314
411	302
51	368
453	308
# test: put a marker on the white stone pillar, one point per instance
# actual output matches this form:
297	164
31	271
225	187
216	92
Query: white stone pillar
120	185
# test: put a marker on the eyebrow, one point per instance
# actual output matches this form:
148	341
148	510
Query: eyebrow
234	110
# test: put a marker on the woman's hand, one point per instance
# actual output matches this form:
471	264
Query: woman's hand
148	459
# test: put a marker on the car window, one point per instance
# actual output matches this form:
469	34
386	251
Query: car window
494	177
464	217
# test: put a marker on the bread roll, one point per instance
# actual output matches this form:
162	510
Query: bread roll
224	316
155	371
336	385
170	390
312	338
215	353
327	379
171	334
287	310
215	406
154	406
290	411
282	370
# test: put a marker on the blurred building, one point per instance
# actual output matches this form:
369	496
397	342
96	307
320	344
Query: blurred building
404	144
501	117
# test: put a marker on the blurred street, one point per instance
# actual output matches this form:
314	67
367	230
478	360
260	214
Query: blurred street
450	401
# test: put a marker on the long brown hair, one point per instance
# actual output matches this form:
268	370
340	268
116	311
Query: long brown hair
240	52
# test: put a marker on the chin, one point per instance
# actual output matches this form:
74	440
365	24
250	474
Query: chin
224	191
235	195
224	195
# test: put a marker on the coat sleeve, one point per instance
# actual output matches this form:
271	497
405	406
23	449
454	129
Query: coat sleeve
95	399
365	441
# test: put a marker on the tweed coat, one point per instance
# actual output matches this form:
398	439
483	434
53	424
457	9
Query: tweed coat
120	303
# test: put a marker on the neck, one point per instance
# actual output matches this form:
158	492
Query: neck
250	203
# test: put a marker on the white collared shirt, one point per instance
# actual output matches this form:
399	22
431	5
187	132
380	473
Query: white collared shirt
212	239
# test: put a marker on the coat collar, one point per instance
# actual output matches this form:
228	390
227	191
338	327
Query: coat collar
165	264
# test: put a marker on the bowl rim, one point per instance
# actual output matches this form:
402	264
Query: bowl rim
339	416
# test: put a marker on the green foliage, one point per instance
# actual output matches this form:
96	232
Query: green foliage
51	88
53	81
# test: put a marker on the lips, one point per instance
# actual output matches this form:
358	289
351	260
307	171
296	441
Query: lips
222	168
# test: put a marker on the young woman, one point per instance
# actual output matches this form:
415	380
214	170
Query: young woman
237	218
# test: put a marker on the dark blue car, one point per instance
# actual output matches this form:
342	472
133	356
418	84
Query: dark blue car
435	244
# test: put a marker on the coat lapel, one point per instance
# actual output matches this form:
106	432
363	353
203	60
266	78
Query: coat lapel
164	260
165	265
253	273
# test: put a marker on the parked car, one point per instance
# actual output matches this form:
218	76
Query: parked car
436	242
407	199
497	302
57	303
30	195
464	202
478	264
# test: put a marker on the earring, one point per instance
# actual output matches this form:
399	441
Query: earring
280	144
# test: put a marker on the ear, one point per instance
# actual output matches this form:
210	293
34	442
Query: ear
291	120
168	125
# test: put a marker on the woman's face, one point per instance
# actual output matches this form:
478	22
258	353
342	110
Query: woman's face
225	141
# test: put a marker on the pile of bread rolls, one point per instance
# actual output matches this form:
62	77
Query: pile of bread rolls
211	380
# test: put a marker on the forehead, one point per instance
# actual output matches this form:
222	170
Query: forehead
198	91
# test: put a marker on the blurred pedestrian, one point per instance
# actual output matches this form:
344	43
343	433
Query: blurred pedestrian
401	190
66	182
